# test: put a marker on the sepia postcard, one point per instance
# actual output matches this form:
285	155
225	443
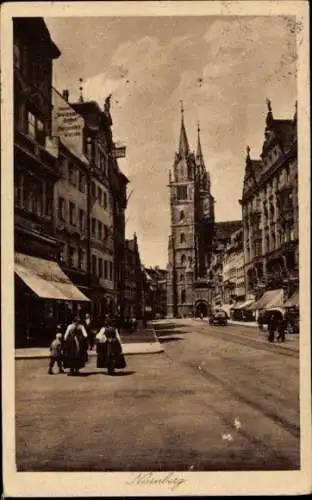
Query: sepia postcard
155	248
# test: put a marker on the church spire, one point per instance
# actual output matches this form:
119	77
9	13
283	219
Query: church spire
183	144
199	153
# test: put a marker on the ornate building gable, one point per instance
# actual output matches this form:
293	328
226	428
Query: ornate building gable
253	171
279	137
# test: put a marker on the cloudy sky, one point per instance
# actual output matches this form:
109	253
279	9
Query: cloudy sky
223	68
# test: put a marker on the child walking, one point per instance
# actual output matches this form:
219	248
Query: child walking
56	349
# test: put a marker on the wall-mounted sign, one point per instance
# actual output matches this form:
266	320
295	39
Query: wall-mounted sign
119	151
66	123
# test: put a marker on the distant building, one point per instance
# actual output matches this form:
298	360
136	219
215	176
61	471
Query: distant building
233	269
192	226
270	211
226	258
134	281
156	296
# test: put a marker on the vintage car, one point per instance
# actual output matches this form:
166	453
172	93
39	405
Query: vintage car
218	317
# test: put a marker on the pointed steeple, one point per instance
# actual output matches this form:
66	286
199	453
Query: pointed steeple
183	144
199	152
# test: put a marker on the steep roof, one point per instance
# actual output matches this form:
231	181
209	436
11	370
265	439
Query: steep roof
224	230
183	143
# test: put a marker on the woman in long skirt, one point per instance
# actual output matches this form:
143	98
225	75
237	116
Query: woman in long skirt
75	347
109	349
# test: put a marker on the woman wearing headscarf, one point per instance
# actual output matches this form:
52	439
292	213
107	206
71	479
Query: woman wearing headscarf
109	348
75	347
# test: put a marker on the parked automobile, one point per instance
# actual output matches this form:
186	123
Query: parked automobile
218	318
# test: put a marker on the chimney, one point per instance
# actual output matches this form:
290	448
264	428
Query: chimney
65	95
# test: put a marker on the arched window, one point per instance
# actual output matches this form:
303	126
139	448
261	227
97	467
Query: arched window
183	259
183	296
190	261
182	238
182	215
181	277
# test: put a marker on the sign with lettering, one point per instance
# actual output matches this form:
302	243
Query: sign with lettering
66	123
119	151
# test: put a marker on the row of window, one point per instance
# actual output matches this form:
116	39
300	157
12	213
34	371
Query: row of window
99	194
73	174
271	242
102	268
77	217
77	179
76	258
95	152
99	230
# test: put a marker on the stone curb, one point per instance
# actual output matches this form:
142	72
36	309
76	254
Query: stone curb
151	348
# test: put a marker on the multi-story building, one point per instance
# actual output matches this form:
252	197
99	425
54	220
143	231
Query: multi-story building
156	296
233	274
39	279
192	222
101	212
70	195
270	211
134	281
221	268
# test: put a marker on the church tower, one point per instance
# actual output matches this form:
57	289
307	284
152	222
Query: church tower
182	239
204	213
192	216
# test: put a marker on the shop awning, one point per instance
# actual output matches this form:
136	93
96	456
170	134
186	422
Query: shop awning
244	305
269	300
293	301
46	279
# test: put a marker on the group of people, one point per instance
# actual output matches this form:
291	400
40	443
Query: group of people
70	351
276	323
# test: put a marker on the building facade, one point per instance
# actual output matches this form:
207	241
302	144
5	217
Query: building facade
103	207
39	280
156	295
270	210
192	223
134	281
233	274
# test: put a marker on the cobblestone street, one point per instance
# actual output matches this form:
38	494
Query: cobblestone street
218	398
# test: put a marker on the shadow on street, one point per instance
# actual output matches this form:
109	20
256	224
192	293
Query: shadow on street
169	339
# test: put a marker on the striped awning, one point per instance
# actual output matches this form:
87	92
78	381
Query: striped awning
244	305
269	300
293	301
46	279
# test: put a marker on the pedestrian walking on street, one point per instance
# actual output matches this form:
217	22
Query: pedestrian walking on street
271	327
109	348
281	328
89	326
75	347
56	350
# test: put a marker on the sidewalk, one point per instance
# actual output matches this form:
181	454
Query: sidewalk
131	344
243	323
